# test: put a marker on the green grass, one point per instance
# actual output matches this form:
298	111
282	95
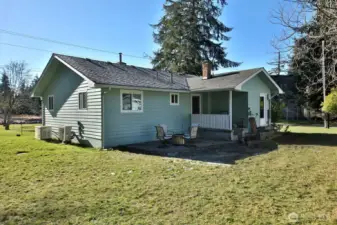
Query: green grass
65	184
313	129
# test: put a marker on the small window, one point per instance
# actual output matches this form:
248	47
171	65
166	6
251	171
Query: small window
262	107
82	100
174	99
131	101
51	102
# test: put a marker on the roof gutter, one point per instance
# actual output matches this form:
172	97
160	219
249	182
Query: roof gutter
139	88
212	90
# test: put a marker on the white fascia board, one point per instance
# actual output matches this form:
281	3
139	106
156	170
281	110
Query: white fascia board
139	88
90	82
239	86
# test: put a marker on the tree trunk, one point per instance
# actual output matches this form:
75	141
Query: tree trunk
326	118
7	119
6	126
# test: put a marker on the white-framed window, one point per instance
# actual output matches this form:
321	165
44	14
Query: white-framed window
51	102
174	99
82	100
131	101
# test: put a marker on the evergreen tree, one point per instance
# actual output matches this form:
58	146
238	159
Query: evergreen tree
35	102
190	33
4	86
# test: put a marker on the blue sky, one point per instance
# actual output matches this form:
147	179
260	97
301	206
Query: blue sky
123	26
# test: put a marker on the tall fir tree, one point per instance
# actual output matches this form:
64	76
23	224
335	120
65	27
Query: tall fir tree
189	33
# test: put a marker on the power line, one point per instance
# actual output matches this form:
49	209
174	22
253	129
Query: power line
65	43
21	46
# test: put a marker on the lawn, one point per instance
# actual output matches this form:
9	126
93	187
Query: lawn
47	183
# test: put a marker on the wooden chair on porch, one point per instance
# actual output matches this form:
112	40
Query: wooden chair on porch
254	134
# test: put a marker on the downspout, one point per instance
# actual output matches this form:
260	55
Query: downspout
43	112
102	118
230	110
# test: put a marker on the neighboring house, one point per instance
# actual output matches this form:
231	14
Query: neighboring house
109	104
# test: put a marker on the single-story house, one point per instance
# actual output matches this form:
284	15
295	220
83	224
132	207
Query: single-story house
109	104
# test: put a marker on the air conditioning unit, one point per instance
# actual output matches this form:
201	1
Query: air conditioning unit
43	132
64	133
67	134
60	133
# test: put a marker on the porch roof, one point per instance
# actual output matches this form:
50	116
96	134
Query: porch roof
229	81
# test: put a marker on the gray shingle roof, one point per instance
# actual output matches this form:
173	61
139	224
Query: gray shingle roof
221	81
107	73
101	72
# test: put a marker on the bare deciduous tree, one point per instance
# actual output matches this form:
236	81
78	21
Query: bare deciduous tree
17	74
307	24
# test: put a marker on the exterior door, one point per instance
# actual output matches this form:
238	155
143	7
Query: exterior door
196	104
264	109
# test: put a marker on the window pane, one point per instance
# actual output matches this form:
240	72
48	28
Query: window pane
80	101
137	102
261	107
176	99
126	101
51	102
172	98
85	100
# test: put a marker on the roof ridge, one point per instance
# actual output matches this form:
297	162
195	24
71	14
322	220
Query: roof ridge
117	63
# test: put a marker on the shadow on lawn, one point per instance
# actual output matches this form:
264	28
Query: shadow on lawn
307	139
223	152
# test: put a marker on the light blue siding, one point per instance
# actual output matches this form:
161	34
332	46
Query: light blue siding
255	87
65	87
214	102
126	128
219	102
204	102
240	108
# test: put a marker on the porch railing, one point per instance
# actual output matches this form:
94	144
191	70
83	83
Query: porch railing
212	121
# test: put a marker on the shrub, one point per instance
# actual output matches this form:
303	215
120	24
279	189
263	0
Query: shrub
330	103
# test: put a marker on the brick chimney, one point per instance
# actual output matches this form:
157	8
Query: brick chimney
206	70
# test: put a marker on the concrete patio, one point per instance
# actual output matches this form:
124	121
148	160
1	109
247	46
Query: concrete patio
212	151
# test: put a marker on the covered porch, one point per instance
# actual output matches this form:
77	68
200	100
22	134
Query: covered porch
220	110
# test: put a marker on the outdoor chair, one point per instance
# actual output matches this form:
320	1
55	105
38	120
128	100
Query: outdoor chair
166	131
162	135
193	132
254	134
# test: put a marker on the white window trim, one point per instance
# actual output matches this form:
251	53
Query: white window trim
53	103
131	92
79	101
174	104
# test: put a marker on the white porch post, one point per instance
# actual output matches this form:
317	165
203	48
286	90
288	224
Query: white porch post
230	110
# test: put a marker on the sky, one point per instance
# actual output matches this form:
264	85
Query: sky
122	26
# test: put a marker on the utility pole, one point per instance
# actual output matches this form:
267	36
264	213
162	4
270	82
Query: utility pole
325	115
279	64
323	69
